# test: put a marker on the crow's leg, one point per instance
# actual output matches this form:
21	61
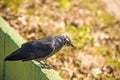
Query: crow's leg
43	63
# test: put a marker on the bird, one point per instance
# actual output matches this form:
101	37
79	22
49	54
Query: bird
40	49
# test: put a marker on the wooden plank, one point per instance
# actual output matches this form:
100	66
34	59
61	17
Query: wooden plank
18	70
2	36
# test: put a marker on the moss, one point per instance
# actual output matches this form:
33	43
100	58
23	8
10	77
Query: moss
64	4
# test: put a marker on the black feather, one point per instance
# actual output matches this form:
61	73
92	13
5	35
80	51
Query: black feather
42	48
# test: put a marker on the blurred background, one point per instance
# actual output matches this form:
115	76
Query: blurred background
93	26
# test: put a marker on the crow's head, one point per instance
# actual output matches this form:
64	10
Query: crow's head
67	41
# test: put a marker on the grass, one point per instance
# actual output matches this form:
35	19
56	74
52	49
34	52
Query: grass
64	4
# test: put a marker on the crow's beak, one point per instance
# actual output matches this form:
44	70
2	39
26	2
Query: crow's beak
72	45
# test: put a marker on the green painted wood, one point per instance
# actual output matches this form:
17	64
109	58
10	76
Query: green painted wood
10	40
2	36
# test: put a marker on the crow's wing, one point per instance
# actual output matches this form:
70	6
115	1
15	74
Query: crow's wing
41	50
33	50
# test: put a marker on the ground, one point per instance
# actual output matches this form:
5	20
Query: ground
94	32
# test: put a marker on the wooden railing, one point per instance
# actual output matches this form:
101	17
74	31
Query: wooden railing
10	40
